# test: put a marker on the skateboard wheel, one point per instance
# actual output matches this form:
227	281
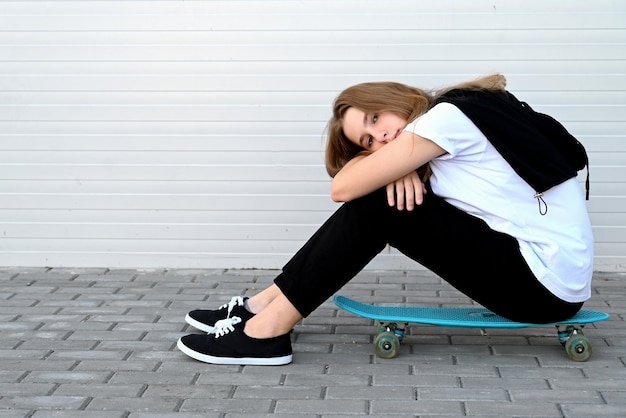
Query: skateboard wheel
578	348
387	345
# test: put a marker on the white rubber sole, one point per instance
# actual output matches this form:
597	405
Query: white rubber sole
199	325
242	361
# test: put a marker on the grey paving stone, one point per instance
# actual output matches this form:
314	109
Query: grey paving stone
509	409
117	365
23	354
89	354
565	396
176	415
327	380
461	394
229	406
322	406
207	392
161	378
238	379
458	370
133	404
31	365
390	369
79	414
99	390
42	402
417	381
371	392
26	389
582	410
416	407
67	377
560	373
500	382
591	384
279	392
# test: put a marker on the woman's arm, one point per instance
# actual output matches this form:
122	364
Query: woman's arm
365	174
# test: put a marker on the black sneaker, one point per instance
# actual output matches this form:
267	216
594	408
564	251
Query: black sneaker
205	320
230	345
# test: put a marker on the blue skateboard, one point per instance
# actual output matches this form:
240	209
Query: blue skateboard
387	341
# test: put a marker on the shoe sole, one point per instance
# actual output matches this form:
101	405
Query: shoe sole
199	325
242	361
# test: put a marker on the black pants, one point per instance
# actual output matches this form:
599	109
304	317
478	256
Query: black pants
484	264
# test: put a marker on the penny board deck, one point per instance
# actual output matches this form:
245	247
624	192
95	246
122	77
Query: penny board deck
452	317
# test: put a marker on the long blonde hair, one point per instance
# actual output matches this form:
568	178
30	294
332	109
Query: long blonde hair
376	97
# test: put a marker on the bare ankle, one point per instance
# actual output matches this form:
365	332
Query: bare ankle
261	300
253	306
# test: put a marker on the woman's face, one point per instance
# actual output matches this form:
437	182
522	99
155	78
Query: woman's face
371	131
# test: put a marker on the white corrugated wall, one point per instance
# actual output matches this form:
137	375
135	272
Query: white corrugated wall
190	133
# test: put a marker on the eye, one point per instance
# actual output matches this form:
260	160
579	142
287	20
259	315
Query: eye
374	118
369	140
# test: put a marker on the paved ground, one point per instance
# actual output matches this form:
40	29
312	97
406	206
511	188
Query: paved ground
101	343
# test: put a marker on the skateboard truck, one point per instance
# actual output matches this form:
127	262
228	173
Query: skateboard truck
393	327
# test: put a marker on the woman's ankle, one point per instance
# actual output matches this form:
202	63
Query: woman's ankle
258	302
277	319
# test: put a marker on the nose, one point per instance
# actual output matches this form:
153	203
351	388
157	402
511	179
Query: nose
382	136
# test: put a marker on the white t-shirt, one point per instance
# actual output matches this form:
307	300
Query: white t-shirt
473	176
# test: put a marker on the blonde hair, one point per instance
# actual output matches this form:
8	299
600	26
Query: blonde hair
376	97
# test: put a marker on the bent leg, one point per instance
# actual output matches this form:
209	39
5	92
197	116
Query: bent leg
484	264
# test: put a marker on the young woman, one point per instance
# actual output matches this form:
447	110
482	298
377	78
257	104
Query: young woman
419	175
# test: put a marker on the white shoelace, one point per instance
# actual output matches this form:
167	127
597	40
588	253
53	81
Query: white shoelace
224	326
236	300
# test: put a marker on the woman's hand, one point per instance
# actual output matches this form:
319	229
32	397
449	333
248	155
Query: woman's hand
407	191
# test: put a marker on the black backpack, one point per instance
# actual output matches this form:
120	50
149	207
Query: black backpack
538	148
